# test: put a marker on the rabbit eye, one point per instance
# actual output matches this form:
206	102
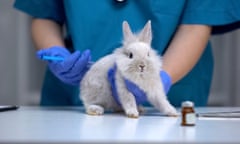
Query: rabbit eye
130	55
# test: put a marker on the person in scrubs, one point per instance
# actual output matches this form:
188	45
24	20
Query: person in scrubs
82	31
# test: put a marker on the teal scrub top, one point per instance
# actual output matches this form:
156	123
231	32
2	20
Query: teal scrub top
96	25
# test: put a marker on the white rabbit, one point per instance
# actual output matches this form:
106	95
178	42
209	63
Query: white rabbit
135	61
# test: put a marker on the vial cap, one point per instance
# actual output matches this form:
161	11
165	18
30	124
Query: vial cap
187	104
120	0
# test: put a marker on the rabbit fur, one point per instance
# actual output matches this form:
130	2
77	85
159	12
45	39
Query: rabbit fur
135	61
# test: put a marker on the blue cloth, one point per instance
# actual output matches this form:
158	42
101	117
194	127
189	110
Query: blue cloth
96	25
140	95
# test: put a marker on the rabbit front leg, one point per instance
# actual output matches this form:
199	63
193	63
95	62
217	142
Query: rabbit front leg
126	99
129	105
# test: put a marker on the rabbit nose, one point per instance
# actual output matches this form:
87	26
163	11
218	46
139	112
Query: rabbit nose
141	66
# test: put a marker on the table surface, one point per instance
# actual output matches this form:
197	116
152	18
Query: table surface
72	125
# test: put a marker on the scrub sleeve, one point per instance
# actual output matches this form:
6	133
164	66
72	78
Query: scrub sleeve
62	94
223	16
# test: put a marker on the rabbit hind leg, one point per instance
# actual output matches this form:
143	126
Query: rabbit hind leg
160	102
94	110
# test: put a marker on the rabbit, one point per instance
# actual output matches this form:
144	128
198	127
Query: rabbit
135	61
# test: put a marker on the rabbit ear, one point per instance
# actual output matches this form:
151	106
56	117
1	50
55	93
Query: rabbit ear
127	33
146	33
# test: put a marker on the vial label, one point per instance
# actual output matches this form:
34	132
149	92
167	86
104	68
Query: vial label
190	118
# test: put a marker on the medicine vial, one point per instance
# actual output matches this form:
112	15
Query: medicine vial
188	114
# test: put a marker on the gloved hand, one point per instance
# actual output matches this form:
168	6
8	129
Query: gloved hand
73	66
138	93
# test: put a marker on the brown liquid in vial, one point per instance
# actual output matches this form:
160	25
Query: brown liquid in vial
188	114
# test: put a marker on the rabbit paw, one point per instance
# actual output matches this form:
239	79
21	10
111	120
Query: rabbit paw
132	113
95	110
171	111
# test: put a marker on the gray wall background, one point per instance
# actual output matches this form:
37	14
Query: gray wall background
21	73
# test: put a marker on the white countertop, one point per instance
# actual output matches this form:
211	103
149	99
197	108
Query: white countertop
72	125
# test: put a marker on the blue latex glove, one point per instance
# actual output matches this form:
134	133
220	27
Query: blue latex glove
138	93
166	80
73	66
